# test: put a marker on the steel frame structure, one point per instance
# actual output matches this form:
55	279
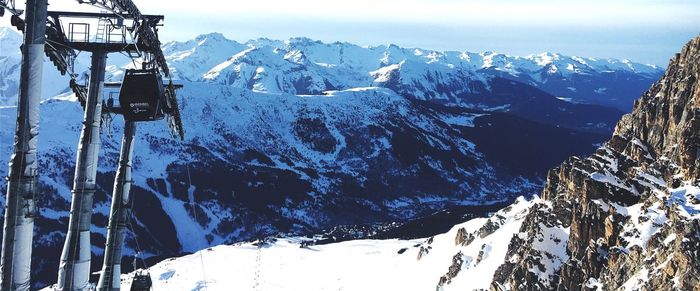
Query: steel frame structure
43	33
22	181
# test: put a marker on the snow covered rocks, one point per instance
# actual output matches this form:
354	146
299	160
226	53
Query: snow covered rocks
630	210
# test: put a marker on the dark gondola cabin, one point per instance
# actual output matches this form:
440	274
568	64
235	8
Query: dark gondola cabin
142	96
141	282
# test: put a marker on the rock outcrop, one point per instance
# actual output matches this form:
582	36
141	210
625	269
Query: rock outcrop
627	217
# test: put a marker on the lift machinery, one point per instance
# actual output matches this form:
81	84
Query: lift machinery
44	32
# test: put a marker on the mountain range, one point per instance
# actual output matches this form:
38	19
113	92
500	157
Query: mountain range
303	137
626	217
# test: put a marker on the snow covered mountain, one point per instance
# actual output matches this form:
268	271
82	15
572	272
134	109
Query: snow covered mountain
298	137
10	65
424	74
624	218
475	80
483	81
632	209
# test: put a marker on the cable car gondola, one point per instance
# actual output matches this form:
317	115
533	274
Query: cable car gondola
141	281
142	96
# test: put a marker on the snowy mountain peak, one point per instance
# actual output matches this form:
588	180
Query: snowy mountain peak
6	32
368	59
213	36
202	40
266	42
10	40
297	57
545	58
304	41
191	60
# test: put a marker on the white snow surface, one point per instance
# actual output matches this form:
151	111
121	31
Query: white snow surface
350	265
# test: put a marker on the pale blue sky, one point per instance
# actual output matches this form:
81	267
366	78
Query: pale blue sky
641	30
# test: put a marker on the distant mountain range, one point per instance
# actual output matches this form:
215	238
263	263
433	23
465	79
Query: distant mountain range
304	66
300	136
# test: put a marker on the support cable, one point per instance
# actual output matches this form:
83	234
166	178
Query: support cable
192	203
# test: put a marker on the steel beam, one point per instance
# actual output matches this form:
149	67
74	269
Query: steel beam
74	14
119	214
22	184
74	268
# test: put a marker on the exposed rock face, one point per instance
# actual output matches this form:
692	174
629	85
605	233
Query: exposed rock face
463	237
491	226
452	271
629	215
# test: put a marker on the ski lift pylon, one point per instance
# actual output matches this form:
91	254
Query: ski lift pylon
141	281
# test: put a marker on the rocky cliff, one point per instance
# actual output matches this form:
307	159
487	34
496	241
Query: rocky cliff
631	210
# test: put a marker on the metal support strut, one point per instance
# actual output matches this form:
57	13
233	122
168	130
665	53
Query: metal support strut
119	214
22	185
74	268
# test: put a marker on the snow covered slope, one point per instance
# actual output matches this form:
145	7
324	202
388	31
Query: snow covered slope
467	263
